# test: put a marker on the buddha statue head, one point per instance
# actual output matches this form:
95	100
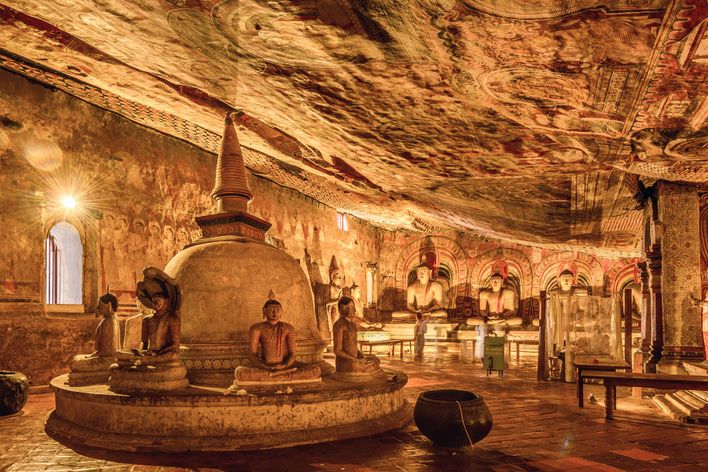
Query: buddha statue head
355	292
272	309
336	275
496	282
107	305
566	276
158	291
423	273
346	307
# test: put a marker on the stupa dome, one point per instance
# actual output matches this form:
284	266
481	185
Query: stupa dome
226	278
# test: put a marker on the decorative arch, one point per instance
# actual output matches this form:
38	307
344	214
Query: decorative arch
620	274
590	272
519	267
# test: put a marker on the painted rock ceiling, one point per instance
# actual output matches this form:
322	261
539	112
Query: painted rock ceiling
524	121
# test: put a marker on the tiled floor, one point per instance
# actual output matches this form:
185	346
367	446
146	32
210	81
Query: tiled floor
537	427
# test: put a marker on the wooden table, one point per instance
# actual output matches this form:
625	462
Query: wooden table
391	343
518	342
600	366
659	381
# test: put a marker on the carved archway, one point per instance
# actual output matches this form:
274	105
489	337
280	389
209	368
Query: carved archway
590	272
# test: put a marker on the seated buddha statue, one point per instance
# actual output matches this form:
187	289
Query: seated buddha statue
354	293
271	346
156	366
566	305
90	369
497	305
424	296
352	365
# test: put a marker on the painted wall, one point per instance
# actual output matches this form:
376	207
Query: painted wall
138	193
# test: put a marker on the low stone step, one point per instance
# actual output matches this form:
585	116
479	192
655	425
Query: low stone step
678	404
696	403
699	394
696	368
666	406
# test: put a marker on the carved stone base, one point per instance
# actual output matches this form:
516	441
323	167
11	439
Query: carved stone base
87	370
359	377
148	379
204	419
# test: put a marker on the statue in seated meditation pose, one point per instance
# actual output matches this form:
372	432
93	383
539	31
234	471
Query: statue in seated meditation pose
90	369
496	306
351	363
566	305
271	346
424	296
354	293
155	366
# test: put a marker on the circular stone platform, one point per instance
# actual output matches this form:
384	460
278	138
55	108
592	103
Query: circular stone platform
204	419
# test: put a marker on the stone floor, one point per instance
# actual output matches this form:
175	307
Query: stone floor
537	427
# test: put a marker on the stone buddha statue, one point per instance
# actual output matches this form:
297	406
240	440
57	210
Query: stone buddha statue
351	363
90	369
497	304
424	296
566	305
271	345
354	293
156	365
326	298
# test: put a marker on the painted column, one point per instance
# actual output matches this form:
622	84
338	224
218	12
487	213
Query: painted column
646	311
678	211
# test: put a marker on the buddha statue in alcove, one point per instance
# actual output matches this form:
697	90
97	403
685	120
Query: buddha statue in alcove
272	366
424	296
156	365
566	305
88	369
497	305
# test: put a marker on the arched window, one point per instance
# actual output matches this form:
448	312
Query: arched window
64	256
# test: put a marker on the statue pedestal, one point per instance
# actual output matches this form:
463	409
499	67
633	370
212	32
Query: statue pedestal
87	370
359	377
148	379
201	418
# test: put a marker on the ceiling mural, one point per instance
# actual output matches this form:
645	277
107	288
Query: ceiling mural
523	121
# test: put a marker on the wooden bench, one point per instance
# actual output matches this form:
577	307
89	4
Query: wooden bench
628	379
595	365
391	343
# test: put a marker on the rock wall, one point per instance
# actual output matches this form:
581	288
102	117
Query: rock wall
138	192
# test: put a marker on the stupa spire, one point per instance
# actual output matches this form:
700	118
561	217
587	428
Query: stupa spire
231	191
231	194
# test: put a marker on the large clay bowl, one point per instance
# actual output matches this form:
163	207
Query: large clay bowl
452	418
14	389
